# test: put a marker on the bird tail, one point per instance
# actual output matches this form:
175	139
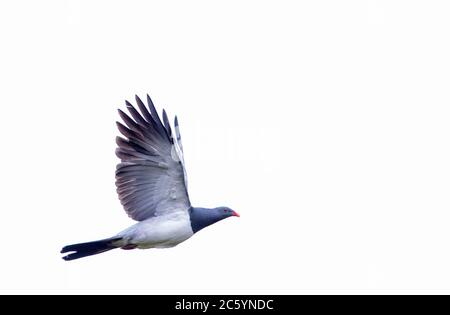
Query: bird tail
90	248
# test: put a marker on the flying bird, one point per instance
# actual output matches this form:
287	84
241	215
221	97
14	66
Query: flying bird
151	183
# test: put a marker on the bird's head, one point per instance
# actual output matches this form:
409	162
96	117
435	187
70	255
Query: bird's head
225	212
202	217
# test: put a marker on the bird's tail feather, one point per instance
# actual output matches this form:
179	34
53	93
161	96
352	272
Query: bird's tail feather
89	248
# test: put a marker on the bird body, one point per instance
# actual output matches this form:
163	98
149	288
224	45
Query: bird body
151	183
159	232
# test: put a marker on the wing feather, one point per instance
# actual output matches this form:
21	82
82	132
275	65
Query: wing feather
177	132
151	177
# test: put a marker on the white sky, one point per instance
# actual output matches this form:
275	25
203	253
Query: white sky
325	124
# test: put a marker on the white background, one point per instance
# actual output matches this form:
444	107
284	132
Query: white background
325	124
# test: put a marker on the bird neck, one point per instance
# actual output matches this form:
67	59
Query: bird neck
202	217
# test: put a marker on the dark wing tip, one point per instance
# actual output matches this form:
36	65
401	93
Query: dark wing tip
123	115
138	99
120	140
149	101
167	124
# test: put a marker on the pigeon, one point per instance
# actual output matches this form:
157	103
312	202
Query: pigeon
151	182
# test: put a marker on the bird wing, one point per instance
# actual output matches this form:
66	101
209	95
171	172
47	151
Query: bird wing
151	177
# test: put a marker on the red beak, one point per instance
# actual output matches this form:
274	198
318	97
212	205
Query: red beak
235	214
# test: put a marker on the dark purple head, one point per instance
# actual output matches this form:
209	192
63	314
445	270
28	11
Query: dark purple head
202	217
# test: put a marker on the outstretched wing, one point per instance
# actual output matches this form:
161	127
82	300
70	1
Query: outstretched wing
151	178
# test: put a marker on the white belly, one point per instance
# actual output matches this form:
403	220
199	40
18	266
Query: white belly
159	232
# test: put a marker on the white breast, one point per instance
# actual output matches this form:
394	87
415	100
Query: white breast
160	232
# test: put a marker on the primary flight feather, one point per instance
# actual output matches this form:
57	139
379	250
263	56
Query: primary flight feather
151	183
